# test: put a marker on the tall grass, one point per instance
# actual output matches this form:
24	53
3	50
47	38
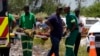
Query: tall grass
47	46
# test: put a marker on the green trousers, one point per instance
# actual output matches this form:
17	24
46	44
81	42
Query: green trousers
27	44
69	43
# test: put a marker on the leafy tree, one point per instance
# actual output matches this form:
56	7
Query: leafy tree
92	11
79	2
15	5
47	6
50	6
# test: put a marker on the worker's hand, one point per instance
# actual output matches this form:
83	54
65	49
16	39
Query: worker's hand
46	36
67	30
20	30
81	25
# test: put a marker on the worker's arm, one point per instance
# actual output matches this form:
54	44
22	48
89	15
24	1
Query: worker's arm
73	27
49	24
13	20
20	22
73	22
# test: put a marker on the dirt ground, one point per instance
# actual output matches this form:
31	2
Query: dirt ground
16	50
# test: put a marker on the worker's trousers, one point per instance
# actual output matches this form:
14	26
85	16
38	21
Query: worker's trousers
69	43
27	44
55	46
77	44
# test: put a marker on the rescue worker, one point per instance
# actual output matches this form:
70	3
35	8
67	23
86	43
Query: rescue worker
27	21
72	26
56	26
12	25
77	43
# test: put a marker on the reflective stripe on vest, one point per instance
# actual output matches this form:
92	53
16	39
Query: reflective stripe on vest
70	46
27	50
27	41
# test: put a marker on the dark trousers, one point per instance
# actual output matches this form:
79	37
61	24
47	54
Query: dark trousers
4	51
88	48
55	46
77	43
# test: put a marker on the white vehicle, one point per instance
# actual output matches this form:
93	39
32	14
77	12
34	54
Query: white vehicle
95	30
89	21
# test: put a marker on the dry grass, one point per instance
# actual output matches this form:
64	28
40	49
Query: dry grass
47	45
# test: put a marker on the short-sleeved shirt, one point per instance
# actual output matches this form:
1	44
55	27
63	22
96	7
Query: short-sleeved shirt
57	25
71	18
10	18
27	21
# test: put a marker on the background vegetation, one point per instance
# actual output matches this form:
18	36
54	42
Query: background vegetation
91	11
49	6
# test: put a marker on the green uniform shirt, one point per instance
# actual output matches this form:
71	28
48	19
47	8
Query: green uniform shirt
10	18
71	19
27	22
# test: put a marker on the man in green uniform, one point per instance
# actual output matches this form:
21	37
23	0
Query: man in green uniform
72	26
12	24
27	21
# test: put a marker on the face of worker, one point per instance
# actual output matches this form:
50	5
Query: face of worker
59	11
67	9
26	10
77	13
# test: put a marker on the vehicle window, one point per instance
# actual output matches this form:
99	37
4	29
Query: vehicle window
91	21
1	5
